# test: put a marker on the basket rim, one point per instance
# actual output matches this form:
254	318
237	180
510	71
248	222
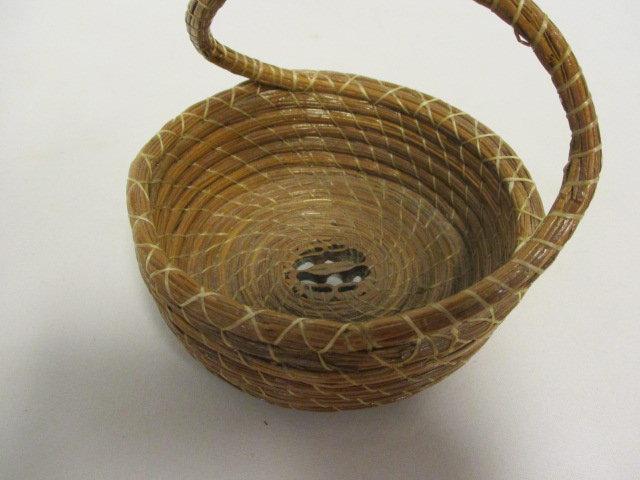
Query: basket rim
197	290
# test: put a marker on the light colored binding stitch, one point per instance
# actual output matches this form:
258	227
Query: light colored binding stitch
330	242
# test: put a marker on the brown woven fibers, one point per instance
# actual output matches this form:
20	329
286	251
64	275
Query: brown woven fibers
328	241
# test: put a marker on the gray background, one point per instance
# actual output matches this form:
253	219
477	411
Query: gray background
92	383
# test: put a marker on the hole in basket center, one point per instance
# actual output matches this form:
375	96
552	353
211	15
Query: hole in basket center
333	269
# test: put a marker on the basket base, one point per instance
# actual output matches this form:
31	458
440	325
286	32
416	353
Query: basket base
334	244
258	379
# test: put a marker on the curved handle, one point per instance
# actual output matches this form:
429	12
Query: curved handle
533	28
199	17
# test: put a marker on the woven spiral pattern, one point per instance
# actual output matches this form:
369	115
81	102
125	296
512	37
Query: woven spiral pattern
327	241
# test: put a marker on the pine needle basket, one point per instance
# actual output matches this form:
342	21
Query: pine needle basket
328	241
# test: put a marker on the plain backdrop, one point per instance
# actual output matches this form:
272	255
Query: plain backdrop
93	384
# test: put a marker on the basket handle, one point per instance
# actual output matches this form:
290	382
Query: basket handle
534	29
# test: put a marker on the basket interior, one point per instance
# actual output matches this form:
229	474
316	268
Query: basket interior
330	206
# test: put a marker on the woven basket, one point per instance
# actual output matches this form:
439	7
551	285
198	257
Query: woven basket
327	241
